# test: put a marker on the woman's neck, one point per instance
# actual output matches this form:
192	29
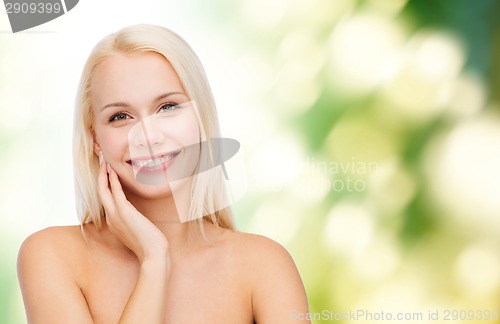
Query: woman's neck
167	215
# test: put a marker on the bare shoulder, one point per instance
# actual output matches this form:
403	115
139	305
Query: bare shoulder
45	255
52	242
58	248
277	288
259	249
53	232
255	257
263	259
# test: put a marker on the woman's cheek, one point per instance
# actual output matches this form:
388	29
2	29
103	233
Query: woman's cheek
114	144
192	130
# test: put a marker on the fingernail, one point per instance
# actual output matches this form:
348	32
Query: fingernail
101	158
108	167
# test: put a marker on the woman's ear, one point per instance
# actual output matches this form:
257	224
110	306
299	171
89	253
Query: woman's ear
97	146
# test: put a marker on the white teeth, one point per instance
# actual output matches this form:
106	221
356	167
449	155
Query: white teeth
154	162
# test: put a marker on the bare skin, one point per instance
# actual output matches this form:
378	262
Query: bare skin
240	278
143	267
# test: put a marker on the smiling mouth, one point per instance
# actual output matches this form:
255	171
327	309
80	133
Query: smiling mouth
154	162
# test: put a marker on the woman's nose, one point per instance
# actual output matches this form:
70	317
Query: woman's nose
147	132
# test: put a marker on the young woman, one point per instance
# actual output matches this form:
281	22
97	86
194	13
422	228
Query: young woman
156	243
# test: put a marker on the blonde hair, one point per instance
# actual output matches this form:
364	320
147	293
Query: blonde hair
207	192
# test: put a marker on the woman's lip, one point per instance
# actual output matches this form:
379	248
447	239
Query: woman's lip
152	157
155	163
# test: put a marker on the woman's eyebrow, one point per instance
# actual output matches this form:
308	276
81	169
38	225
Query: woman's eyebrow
168	94
160	97
116	104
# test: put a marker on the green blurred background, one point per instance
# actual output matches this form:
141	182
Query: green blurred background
370	131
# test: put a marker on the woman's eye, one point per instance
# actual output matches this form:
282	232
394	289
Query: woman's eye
118	117
168	107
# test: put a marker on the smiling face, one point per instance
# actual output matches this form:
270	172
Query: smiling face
143	120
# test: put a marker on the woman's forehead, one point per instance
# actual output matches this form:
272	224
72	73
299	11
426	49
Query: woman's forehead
134	77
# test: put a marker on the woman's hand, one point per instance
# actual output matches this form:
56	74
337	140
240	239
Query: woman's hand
146	303
137	232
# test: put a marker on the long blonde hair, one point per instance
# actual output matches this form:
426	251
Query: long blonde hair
206	200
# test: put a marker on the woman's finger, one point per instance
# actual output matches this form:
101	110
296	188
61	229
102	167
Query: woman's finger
120	202
103	190
117	193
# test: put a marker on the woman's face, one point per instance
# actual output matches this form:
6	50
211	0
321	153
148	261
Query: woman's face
143	120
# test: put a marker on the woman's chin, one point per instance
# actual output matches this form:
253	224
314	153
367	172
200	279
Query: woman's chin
154	186
152	179
153	189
